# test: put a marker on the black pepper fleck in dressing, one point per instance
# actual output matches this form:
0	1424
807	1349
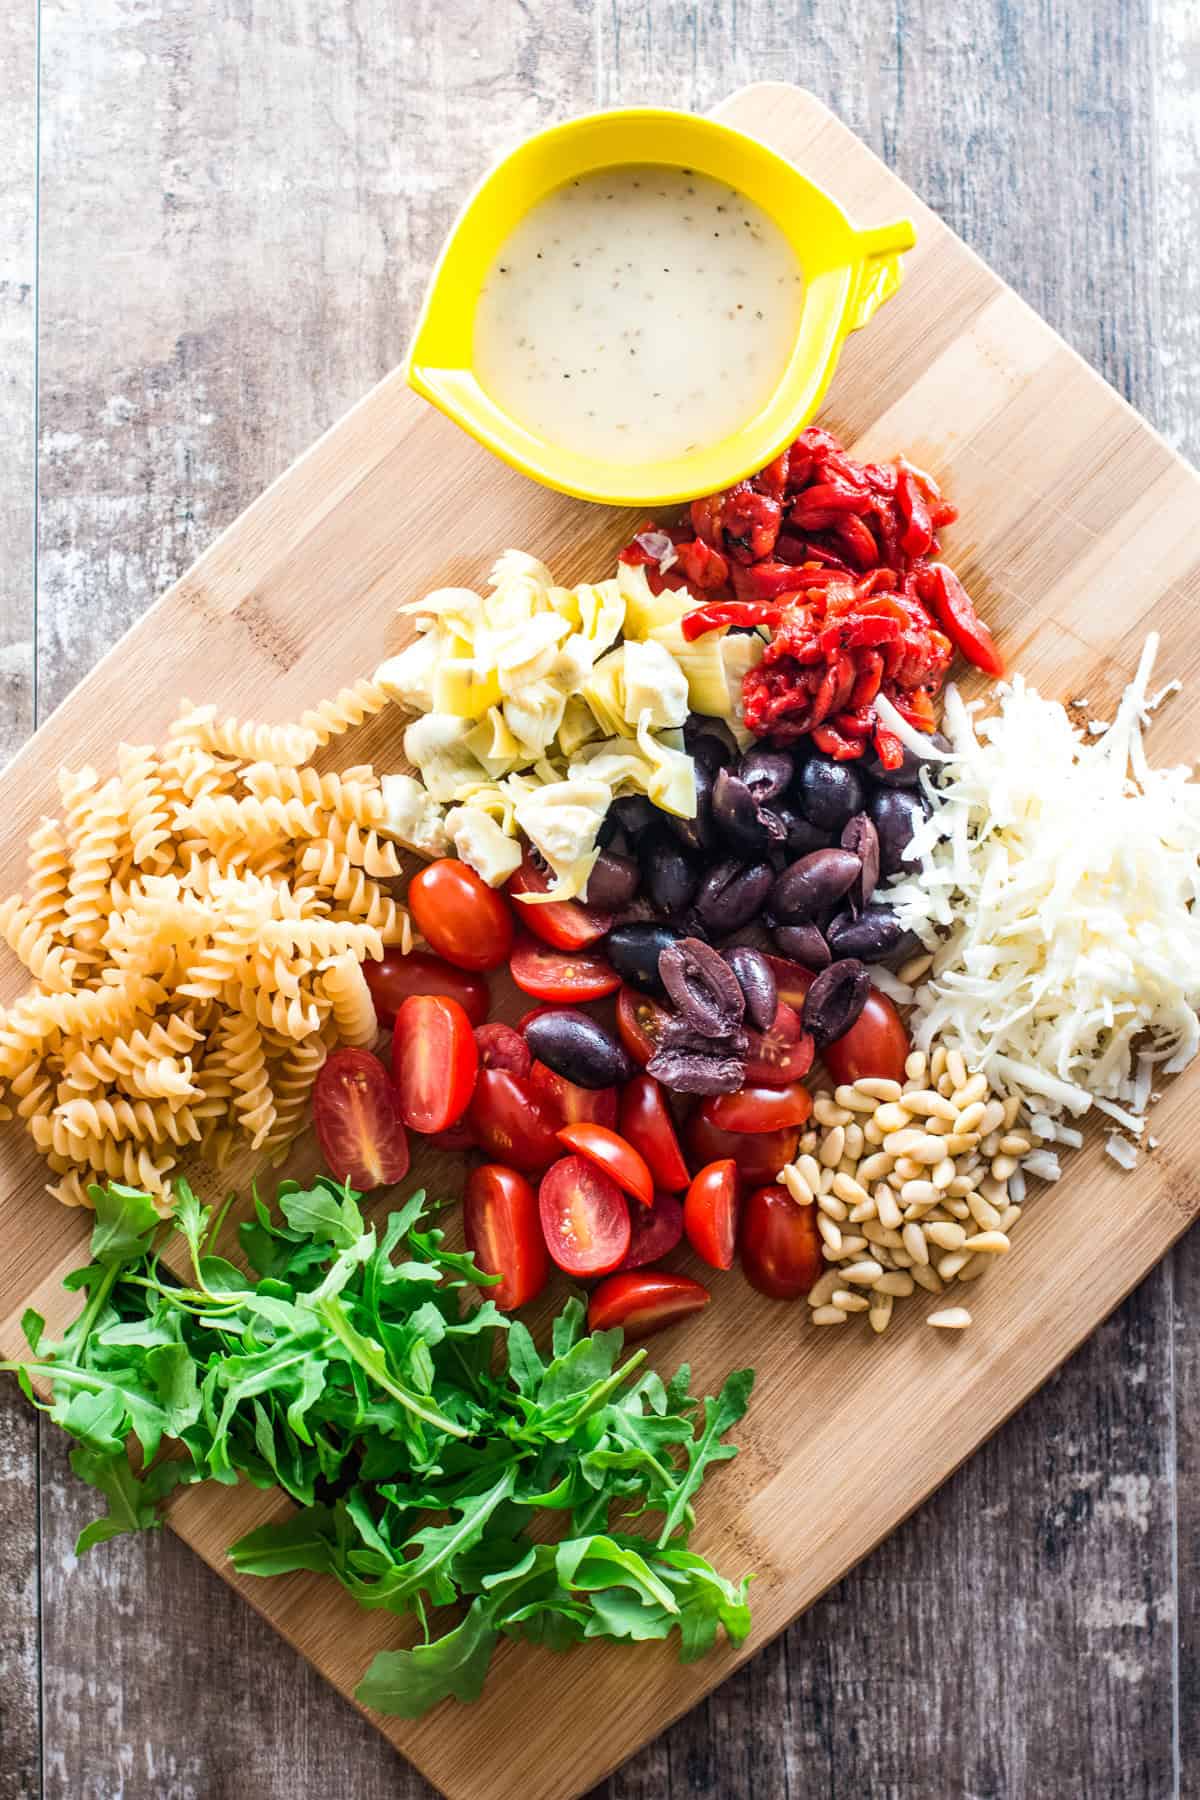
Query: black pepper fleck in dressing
551	337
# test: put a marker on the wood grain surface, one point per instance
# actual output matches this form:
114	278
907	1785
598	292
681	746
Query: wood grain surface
226	198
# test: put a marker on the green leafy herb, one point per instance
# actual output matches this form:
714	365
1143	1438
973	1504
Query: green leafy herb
346	1370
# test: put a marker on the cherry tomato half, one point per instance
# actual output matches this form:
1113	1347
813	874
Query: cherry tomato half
781	1247
641	1022
760	1108
572	1103
781	1056
654	1231
460	916
500	1219
394	978
512	1122
565	924
357	1118
710	1213
644	1303
612	1154
759	1155
876	1044
562	975
792	980
434	1062
585	1217
500	1047
646	1123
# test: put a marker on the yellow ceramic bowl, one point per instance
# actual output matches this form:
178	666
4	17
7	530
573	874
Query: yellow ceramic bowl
848	273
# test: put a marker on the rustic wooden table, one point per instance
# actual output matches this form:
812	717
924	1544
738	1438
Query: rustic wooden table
216	220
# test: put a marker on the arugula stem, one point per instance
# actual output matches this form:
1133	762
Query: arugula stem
336	1321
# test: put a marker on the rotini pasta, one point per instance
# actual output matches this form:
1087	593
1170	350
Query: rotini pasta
241	738
365	848
356	895
92	862
46	961
149	821
49	866
293	1078
350	997
349	707
253	1101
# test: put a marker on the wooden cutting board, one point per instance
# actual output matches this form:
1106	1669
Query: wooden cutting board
1078	535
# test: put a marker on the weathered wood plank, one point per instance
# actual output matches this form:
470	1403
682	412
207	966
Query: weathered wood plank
20	1707
1177	218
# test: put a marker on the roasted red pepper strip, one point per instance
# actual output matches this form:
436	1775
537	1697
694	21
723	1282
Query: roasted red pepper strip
951	605
729	612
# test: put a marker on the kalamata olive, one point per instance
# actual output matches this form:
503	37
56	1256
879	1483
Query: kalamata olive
860	837
671	873
799	836
634	950
709	741
812	883
765	772
909	771
634	814
895	813
690	1072
875	933
695	833
737	816
828	793
803	944
756	978
613	882
703	987
732	894
578	1049
835	1000
609	832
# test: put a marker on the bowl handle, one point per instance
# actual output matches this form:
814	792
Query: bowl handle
880	272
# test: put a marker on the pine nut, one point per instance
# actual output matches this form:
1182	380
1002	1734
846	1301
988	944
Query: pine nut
829	1231
880	1235
993	1190
969	1092
957	1143
985	1216
947	1237
830	1153
945	1085
927	1277
824	1288
915	1065
973	1268
902	1259
988	1243
926	1103
903	1142
1003	1167
878	1087
891	1117
866	1211
810	1169
960	1185
847	1188
851	1247
872	1132
825	1185
1008	1218
880	1314
850	1100
993	1117
914	1242
969	1116
855	1142
863	1274
958	1209
796	1186
850	1302
907	1169
937	1062
887	1208
918	1190
827	1114
929	1151
807	1144
955	1318
956	1067
829	1315
949	1265
898	1283
1015	1143
937	1127
873	1168
915	969
918	1209
1012	1107
943	1173
832	1207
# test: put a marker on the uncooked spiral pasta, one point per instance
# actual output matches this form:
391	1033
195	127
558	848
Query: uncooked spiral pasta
47	962
148	820
92	864
258	822
321	938
353	1008
242	738
355	893
348	708
252	1099
354	796
49	866
292	1081
366	848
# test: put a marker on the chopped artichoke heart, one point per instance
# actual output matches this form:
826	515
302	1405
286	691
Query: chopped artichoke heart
494	744
601	613
604	691
459	609
483	843
646	612
703	663
412	816
407	678
561	821
655	684
578	726
534	715
673	785
436	745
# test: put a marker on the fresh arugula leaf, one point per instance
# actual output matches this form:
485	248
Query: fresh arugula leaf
598	1562
301	1542
134	1504
33	1325
720	1415
326	1214
406	1683
125	1223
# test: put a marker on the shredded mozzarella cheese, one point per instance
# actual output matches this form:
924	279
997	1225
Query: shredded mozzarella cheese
1056	887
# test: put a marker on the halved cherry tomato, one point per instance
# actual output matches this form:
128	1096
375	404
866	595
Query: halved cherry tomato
434	1061
512	1122
641	1022
760	1108
646	1123
500	1047
781	1056
654	1231
612	1154
572	1103
356	1113
585	1217
792	980
563	975
876	1044
395	977
460	916
500	1219
710	1213
759	1155
565	924
780	1244
644	1303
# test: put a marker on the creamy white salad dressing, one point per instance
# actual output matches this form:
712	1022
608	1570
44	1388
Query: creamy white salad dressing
638	313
